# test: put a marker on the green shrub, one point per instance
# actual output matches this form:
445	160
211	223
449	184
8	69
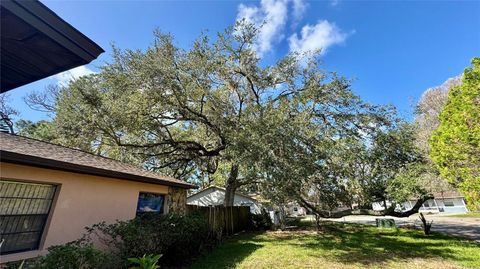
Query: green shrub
72	255
145	262
293	221
262	221
177	237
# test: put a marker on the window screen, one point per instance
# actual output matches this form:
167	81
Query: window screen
448	202
150	202
24	209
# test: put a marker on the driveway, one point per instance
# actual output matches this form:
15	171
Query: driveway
464	227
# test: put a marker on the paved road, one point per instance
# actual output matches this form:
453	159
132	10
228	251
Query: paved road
464	227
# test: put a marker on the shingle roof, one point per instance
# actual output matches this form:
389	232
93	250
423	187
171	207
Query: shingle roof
22	150
447	194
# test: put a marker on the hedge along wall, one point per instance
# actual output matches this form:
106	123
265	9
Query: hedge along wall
227	220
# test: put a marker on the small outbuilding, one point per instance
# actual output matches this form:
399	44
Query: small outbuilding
214	195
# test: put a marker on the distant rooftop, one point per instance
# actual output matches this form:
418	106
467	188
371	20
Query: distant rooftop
21	150
447	194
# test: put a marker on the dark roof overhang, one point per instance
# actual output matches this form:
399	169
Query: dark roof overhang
37	43
16	158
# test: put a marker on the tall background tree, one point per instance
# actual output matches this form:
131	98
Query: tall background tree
455	145
427	120
7	114
428	109
42	130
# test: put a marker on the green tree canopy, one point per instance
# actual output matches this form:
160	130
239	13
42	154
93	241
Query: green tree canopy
187	112
7	114
43	130
353	171
455	145
215	112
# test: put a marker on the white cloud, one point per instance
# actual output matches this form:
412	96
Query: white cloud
299	7
320	36
334	3
271	16
65	77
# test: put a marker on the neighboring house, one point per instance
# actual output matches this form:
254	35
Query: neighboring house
50	193
213	196
295	210
443	202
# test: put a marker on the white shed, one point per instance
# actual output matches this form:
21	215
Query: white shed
214	195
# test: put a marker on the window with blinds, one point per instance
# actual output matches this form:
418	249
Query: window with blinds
24	209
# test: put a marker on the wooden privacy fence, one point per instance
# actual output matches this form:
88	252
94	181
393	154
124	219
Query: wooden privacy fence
225	219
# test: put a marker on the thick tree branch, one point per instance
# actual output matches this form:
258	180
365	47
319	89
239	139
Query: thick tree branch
250	82
388	212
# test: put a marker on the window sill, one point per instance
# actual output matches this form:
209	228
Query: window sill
21	255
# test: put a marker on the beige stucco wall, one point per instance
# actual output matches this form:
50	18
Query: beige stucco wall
81	200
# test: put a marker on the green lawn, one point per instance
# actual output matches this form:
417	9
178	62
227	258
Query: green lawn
343	246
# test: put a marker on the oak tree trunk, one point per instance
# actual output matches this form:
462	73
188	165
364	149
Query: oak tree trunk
231	186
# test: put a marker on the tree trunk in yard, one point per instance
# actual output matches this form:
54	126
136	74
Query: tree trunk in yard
282	217
231	186
385	204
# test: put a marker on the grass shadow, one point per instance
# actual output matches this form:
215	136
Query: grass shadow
230	253
342	245
354	243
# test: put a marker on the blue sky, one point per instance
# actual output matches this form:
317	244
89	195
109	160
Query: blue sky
394	50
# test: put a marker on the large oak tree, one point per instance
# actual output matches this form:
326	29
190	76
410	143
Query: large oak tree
215	111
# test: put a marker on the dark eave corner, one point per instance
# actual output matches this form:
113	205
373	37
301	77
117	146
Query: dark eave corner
37	43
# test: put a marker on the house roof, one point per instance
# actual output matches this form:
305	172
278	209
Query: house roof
214	188
447	194
37	43
21	150
443	195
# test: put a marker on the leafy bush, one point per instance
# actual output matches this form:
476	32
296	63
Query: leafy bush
293	221
145	262
174	236
262	221
77	254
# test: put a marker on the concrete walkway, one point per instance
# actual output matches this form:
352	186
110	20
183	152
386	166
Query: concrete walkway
464	227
